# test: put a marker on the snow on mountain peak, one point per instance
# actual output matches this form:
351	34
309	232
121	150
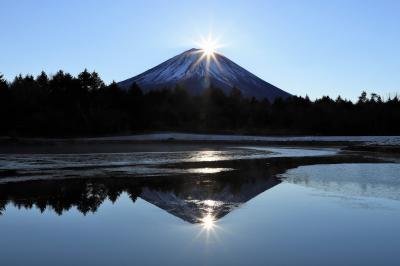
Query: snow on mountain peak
196	71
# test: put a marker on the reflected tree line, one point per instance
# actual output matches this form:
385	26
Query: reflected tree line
87	195
61	196
64	105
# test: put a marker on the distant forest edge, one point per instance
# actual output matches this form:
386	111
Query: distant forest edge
66	106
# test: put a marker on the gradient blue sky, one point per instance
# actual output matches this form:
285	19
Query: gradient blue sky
304	47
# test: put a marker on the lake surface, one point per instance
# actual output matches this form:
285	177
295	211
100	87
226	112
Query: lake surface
226	206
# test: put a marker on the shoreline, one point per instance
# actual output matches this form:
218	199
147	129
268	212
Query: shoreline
185	141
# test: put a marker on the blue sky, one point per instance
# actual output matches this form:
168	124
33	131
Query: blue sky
304	47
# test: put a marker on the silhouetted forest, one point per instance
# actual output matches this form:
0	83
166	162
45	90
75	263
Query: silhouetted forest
64	105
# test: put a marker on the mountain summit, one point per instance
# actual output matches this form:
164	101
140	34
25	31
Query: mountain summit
196	71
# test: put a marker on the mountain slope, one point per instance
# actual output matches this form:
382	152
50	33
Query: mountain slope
196	72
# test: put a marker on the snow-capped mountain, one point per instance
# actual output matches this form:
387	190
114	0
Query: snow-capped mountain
196	71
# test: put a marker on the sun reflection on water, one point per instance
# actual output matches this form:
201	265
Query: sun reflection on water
207	156
209	229
208	222
209	219
208	170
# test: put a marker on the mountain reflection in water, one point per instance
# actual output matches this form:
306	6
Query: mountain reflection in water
189	198
340	209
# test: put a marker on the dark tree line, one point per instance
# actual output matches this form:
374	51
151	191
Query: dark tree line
64	105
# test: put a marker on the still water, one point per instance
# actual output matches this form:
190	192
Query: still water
259	212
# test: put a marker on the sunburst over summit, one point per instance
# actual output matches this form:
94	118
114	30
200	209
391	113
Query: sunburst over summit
198	69
209	45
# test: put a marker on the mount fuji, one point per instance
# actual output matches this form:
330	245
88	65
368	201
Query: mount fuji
196	71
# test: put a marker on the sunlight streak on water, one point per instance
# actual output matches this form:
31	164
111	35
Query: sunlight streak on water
206	156
208	170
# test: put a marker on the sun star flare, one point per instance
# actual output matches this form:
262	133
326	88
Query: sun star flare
209	45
